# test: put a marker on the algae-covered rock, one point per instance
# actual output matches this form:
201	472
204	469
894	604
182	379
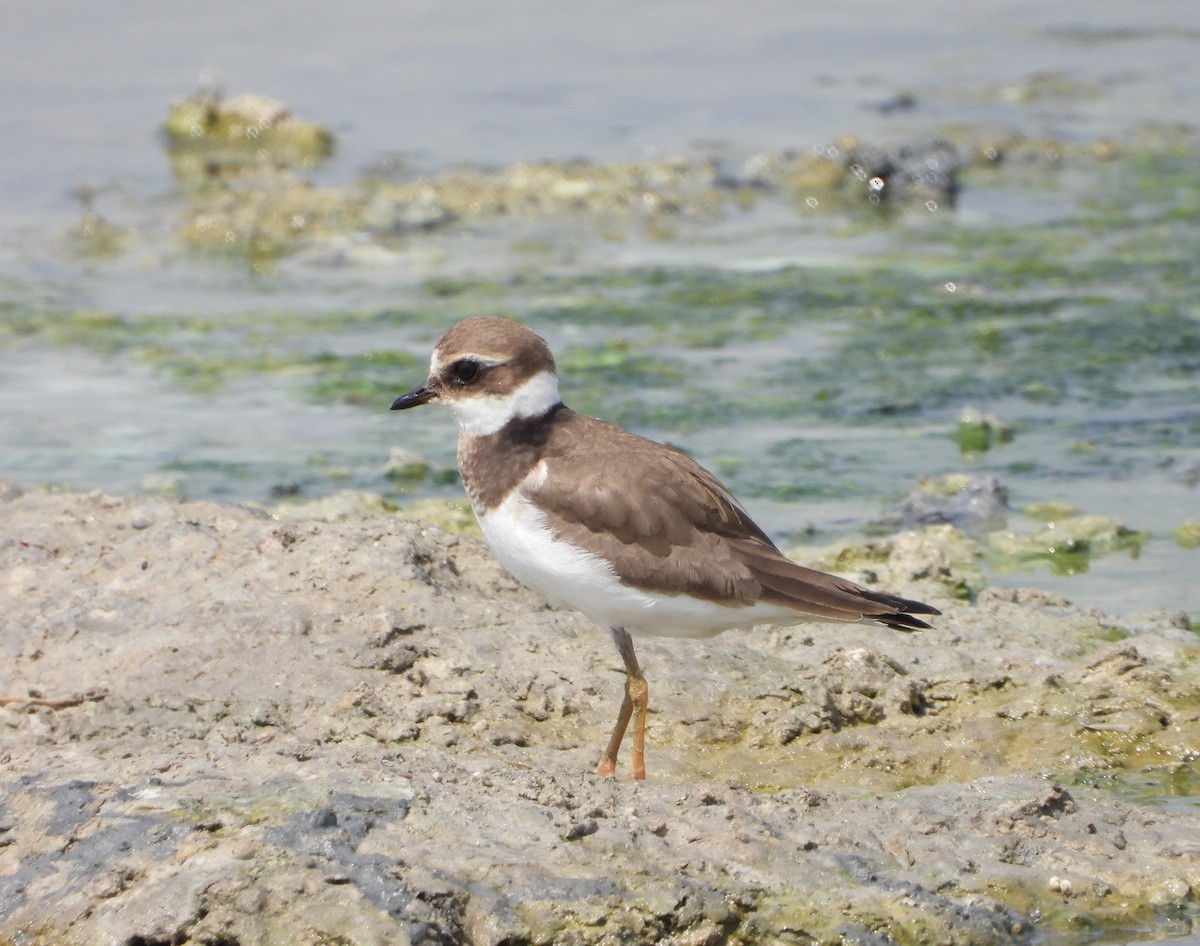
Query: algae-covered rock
275	214
449	515
256	141
208	135
1066	544
625	192
1050	511
939	554
1188	535
265	219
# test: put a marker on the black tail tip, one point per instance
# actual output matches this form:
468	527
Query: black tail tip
906	622
901	617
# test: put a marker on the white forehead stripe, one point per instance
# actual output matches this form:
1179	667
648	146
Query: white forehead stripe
485	414
436	364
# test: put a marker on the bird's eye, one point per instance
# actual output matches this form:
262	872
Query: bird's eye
466	370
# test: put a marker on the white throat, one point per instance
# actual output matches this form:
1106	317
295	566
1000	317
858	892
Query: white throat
487	413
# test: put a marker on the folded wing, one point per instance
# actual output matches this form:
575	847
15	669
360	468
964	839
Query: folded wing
681	531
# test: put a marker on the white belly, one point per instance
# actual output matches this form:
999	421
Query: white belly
568	575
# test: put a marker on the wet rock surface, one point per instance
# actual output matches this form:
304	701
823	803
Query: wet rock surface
972	504
219	727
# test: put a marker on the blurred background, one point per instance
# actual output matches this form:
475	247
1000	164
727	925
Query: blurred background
881	266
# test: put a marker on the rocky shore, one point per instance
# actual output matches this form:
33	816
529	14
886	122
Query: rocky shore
222	727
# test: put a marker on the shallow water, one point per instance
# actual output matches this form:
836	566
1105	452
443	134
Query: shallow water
818	363
484	83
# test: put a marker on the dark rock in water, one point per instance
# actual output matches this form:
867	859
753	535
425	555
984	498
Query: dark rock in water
973	505
900	102
916	172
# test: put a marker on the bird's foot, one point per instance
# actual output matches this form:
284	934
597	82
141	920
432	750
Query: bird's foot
608	769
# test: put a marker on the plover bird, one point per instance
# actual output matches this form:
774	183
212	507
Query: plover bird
632	533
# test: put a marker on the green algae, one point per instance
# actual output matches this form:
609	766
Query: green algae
1080	916
615	362
203	354
978	433
918	350
371	378
407	474
225	469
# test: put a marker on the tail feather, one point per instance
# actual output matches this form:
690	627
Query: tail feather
814	592
900	610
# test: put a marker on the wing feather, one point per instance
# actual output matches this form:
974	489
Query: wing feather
682	531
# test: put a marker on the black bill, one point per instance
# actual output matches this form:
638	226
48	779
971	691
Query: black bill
414	398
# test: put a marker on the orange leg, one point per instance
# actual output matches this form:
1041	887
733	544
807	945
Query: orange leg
633	707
